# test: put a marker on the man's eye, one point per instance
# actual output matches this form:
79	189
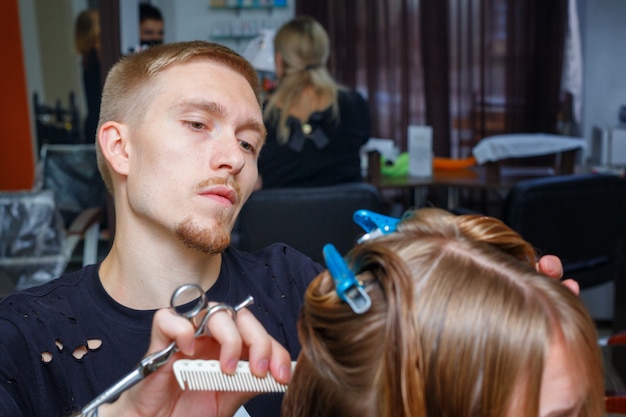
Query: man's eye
246	146
196	125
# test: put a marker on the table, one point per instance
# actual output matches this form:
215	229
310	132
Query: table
487	177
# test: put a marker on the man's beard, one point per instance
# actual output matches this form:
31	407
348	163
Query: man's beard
209	240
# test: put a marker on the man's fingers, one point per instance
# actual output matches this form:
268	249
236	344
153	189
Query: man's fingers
232	339
280	363
223	329
167	327
572	285
258	341
265	353
551	266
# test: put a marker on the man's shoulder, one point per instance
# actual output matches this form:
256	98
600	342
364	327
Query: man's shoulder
48	295
27	316
278	259
276	254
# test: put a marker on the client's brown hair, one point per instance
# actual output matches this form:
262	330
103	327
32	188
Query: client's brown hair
456	323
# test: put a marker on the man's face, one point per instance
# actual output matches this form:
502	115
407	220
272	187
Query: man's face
193	156
151	32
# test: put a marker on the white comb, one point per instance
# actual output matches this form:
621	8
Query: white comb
206	375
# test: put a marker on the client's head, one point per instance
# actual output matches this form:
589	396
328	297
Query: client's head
460	324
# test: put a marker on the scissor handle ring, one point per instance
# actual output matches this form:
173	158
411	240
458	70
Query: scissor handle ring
224	307
211	311
200	305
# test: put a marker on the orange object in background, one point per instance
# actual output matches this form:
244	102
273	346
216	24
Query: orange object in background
451	164
16	149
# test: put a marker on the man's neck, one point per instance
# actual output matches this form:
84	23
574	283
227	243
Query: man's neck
142	279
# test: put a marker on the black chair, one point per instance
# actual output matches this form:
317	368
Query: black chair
305	218
57	225
71	171
57	125
580	218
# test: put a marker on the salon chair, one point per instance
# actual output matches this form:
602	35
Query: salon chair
59	224
581	219
305	218
35	245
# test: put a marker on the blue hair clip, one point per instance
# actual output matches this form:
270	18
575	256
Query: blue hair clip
349	289
374	224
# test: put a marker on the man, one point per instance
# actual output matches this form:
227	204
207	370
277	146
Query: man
178	139
179	135
150	26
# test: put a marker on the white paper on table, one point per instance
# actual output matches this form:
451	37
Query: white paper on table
523	145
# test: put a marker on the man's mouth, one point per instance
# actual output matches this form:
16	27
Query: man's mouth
220	193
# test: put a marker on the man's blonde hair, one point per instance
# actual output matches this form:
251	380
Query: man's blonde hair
130	84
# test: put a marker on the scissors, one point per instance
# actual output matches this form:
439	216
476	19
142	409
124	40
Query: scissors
198	312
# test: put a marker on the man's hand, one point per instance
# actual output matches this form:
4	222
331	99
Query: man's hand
551	266
159	394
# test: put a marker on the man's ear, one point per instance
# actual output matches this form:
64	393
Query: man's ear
115	147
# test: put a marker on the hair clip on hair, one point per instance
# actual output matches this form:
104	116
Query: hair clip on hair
374	224
348	288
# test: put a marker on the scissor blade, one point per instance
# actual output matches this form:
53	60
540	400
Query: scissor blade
115	390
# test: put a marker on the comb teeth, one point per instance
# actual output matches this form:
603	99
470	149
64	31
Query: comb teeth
206	375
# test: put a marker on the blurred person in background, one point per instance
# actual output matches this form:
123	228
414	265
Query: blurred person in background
315	127
151	26
87	44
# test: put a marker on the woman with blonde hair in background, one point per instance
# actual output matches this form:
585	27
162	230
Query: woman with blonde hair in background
315	126
460	324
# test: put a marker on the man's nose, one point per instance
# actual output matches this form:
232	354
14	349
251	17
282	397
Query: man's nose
227	154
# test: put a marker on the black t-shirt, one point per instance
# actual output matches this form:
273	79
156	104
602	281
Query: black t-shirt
60	316
326	153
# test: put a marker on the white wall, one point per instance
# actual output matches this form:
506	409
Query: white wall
129	25
194	19
52	65
604	67
32	62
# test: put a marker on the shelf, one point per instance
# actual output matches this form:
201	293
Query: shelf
237	8
233	37
247	5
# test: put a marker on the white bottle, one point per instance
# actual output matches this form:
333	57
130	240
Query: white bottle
420	144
